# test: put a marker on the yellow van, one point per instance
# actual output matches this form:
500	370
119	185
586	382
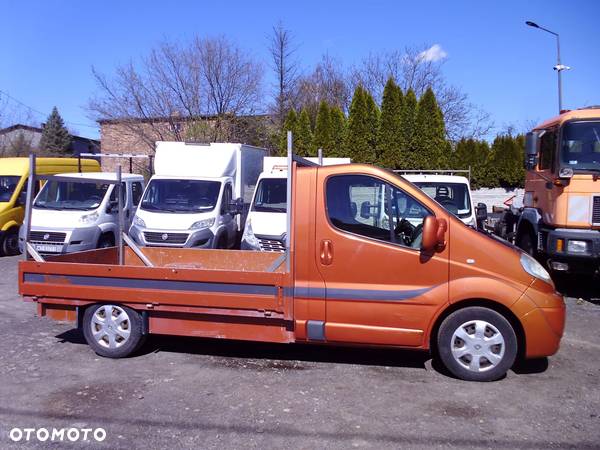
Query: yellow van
13	191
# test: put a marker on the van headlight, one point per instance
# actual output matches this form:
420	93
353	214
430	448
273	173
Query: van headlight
89	218
534	268
205	223
249	238
137	220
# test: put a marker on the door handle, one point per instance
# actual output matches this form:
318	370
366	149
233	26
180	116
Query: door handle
326	252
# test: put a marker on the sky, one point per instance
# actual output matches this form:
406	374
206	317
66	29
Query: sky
47	48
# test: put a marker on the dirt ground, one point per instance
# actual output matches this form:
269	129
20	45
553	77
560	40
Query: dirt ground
183	393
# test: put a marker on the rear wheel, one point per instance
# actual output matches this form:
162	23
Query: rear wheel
113	331
10	244
106	240
477	344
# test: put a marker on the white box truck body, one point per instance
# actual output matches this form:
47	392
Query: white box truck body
266	224
198	195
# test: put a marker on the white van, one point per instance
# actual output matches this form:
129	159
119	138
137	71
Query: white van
453	192
79	212
266	224
198	196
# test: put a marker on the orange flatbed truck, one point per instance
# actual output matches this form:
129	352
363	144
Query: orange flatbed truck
371	260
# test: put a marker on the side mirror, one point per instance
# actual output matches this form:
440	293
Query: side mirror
531	150
481	213
236	206
22	198
365	210
434	234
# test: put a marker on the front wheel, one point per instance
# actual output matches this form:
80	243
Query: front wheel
477	344
113	331
10	244
526	242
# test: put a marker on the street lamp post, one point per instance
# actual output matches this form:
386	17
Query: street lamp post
559	67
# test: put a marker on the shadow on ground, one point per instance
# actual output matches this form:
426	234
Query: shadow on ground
586	288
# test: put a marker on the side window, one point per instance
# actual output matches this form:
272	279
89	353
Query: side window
227	194
547	149
136	192
369	207
113	194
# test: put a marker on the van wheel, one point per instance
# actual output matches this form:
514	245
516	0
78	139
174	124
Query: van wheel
222	242
526	243
10	245
477	344
112	331
106	240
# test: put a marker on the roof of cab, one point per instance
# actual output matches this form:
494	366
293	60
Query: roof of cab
588	112
421	178
20	166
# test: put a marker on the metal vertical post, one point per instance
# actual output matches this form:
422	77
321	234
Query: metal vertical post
28	203
121	225
289	201
559	70
320	156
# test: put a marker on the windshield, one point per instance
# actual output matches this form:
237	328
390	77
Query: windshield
580	148
8	183
271	195
74	195
452	196
181	196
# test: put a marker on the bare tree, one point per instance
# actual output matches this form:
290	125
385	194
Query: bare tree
282	50
327	82
205	81
412	68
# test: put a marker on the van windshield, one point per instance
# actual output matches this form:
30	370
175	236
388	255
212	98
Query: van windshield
8	184
271	195
75	195
181	196
580	148
452	196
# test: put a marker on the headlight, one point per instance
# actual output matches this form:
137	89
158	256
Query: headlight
205	223
577	247
89	218
137	220
248	237
534	268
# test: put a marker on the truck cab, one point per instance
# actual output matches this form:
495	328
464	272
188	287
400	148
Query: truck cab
560	220
199	195
13	191
78	212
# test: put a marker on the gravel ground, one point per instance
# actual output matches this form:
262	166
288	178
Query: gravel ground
183	393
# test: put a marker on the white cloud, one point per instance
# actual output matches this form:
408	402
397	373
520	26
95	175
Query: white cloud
434	53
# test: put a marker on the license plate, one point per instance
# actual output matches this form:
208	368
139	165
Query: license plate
48	248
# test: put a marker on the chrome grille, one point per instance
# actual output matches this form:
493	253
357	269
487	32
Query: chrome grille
596	210
271	245
165	238
46	237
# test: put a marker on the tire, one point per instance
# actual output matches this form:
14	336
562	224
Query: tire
106	240
118	338
526	242
10	244
222	242
470	357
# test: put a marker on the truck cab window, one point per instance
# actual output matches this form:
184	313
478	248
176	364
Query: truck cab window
227	194
369	207
547	149
136	192
113	194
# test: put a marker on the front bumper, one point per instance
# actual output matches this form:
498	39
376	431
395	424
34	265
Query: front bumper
587	262
53	241
203	238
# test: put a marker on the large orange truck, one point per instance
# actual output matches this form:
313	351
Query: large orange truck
370	260
560	220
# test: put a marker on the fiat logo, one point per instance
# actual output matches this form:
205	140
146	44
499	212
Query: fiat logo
165	236
46	236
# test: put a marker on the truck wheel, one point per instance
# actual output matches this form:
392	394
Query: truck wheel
111	330
106	240
477	344
10	245
526	243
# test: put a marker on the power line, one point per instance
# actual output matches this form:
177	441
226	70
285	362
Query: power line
41	113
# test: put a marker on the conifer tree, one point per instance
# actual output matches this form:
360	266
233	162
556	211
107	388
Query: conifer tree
389	139
322	138
290	124
338	133
303	138
373	117
431	145
55	136
357	142
407	127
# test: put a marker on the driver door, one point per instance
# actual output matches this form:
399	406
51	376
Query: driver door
380	288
